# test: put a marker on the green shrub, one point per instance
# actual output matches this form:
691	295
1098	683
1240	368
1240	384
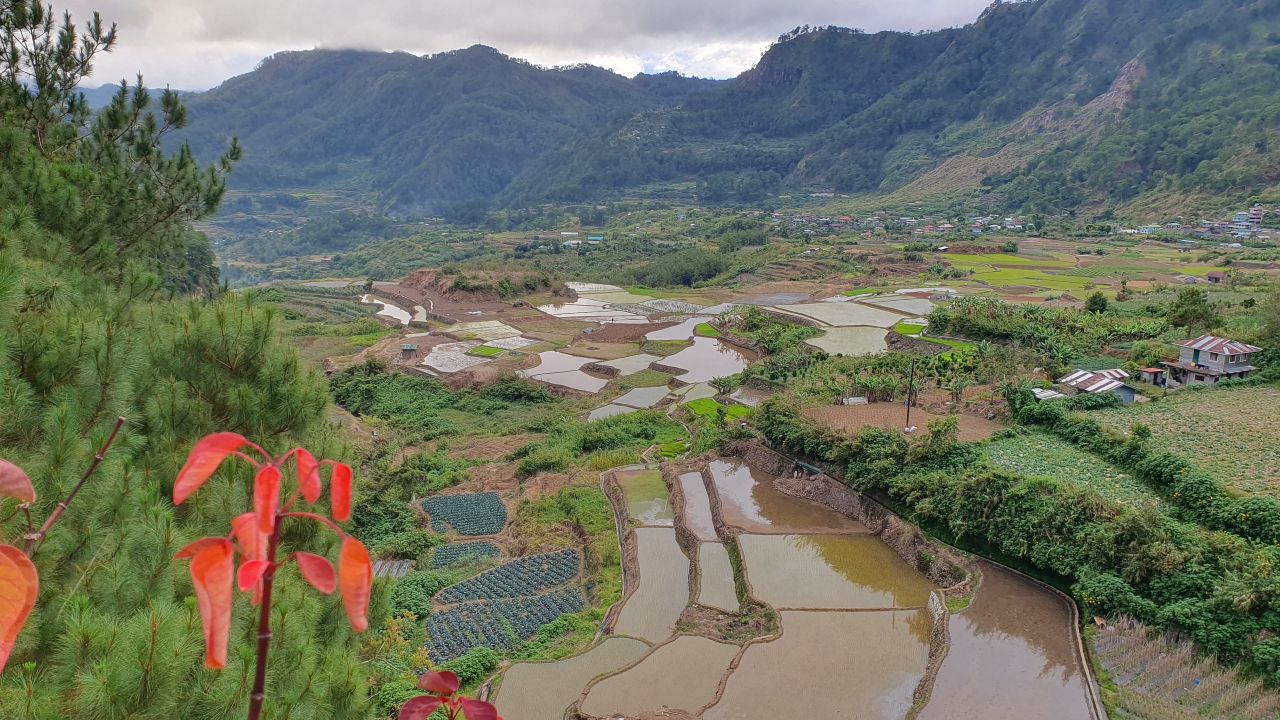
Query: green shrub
472	667
413	592
543	459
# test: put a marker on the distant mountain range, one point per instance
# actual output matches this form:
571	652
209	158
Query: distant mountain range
1090	106
100	97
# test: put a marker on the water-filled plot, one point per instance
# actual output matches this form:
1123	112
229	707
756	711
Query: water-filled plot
544	690
831	665
707	359
851	341
455	553
749	501
387	310
830	572
522	576
715	578
683	674
1012	656
476	514
497	624
648	501
697	507
652	610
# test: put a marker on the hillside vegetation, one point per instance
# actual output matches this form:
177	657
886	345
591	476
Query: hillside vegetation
1045	105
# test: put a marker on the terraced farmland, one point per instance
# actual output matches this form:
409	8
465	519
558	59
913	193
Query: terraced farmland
454	553
1043	455
1230	433
520	577
477	514
497	624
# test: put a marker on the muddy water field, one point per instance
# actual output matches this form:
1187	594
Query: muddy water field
857	632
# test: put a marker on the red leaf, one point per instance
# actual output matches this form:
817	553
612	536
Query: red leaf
420	708
317	571
340	492
355	575
253	542
212	570
15	484
19	586
204	459
478	710
444	682
266	497
194	548
251	574
308	475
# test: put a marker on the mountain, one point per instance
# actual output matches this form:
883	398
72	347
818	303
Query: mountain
423	132
1090	106
100	96
1052	105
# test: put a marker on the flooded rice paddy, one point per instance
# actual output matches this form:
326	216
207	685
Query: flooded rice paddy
1012	656
681	331
631	364
648	501
557	368
697	507
608	411
846	572
844	314
387	310
715	578
856	665
663	590
544	691
851	341
708	359
748	501
453	357
684	675
587	309
643	398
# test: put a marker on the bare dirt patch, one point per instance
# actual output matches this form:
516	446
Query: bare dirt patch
621	333
891	415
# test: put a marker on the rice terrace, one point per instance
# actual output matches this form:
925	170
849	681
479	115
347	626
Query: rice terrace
925	373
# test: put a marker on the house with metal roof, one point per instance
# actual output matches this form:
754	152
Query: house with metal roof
1208	359
1101	381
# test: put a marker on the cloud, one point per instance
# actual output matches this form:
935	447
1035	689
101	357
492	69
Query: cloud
195	44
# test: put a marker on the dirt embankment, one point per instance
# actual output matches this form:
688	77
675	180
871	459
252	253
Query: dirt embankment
482	285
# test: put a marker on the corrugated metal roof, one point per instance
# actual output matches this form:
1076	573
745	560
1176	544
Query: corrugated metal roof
1042	394
1211	343
1095	382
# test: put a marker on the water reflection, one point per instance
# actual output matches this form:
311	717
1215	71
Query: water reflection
749	501
1012	656
831	572
648	501
708	359
697	507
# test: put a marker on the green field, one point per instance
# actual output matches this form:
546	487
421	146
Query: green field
706	330
1043	455
708	408
485	351
1230	433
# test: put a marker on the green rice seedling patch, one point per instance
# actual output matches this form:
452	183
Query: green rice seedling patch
709	409
1043	455
860	291
477	514
706	330
663	348
905	328
673	449
1019	277
518	578
457	553
496	624
1007	260
485	351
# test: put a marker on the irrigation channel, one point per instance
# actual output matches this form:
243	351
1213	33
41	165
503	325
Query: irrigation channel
752	592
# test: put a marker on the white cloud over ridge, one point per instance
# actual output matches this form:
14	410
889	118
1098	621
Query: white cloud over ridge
196	44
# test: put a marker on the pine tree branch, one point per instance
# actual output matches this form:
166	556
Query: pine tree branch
33	540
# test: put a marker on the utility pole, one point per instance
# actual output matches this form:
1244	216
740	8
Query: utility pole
911	390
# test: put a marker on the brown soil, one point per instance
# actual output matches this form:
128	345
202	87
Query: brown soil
491	448
891	415
898	342
430	280
620	333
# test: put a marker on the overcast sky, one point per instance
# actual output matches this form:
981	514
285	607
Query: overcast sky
196	44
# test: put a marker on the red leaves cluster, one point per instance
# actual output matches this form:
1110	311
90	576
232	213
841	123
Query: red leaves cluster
19	584
213	560
442	689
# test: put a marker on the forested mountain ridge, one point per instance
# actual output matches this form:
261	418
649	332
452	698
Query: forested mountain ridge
1045	105
422	131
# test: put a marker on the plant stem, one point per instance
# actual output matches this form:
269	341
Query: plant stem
264	626
38	536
